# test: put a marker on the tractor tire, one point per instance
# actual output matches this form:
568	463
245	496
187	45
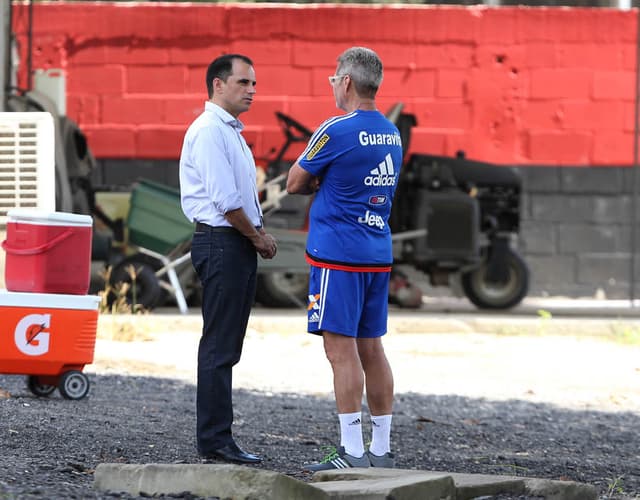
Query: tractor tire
488	295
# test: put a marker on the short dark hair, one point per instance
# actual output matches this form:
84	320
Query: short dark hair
220	67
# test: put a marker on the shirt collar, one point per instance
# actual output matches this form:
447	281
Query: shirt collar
224	115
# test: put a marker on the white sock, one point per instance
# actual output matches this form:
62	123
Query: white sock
351	433
380	434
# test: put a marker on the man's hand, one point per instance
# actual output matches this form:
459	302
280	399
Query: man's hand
266	245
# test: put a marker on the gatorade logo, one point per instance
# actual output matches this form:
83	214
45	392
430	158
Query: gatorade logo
31	335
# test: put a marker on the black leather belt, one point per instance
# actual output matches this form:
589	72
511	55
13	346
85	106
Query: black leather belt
201	227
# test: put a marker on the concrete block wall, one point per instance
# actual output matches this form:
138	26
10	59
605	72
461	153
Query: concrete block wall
576	230
515	85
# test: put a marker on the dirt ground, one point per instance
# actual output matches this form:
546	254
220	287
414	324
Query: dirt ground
590	372
538	405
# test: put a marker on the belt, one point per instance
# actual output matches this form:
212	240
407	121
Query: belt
201	227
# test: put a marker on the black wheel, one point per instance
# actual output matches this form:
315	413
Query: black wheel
278	289
146	291
498	295
38	388
73	385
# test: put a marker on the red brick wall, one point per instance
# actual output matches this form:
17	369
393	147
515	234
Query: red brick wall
507	85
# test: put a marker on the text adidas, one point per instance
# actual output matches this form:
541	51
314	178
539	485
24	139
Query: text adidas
381	180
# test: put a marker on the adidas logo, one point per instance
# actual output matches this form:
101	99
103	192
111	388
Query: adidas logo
314	318
383	174
355	422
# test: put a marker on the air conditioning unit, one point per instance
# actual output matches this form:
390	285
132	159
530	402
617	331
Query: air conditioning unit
27	162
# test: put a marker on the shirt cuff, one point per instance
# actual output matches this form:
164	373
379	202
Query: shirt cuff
231	202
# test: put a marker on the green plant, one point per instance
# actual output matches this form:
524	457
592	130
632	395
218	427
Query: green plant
614	486
544	321
544	314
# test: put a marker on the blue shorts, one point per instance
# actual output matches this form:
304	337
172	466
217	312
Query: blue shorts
349	303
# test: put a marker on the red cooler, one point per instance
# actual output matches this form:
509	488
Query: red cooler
48	252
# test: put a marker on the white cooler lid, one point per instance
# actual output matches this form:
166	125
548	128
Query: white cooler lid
42	217
49	300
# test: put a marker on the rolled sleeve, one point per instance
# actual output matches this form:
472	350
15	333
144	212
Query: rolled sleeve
231	202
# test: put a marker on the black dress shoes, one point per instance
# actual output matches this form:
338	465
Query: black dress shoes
233	453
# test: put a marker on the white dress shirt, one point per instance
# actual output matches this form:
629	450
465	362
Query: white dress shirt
217	170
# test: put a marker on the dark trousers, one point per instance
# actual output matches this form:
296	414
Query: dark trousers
226	265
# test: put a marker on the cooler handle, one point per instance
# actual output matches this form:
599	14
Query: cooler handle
40	249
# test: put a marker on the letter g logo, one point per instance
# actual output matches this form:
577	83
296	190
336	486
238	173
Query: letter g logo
30	335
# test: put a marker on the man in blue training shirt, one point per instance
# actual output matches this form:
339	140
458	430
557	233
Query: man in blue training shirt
352	164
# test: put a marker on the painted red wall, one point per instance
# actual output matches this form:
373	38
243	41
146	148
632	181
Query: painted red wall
507	85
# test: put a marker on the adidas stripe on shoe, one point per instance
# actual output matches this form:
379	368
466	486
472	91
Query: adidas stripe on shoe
338	459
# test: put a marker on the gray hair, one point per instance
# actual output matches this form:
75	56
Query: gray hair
364	67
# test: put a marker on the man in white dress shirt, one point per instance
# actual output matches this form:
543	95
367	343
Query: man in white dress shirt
218	193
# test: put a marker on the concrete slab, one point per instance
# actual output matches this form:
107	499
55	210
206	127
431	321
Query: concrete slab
205	480
401	487
560	490
240	482
469	486
473	485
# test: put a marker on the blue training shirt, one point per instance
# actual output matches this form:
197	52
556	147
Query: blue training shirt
358	158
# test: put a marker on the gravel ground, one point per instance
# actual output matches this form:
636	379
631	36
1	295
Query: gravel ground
49	447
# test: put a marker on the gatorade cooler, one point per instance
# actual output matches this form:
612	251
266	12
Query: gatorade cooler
49	337
48	252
